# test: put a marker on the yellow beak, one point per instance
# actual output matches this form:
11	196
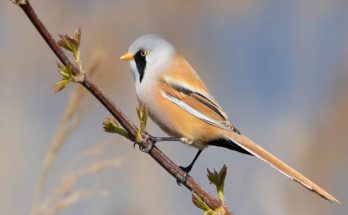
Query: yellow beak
127	57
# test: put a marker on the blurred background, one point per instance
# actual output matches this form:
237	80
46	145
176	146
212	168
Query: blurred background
278	68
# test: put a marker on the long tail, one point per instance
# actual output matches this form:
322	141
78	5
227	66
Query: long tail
254	149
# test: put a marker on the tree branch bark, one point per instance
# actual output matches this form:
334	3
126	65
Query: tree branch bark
155	153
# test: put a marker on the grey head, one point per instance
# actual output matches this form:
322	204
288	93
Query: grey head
148	56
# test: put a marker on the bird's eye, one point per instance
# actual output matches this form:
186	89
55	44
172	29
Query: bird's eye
143	53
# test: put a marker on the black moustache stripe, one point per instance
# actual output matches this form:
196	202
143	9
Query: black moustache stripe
140	62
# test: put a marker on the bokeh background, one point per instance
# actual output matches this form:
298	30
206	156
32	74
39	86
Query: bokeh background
278	68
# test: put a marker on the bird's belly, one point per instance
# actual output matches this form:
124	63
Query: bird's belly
177	122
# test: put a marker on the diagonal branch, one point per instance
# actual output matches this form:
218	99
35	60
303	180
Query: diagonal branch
154	152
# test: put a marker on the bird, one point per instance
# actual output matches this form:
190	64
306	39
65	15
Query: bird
179	102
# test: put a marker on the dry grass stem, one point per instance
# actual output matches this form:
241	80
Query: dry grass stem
64	203
95	150
96	60
71	119
64	194
64	130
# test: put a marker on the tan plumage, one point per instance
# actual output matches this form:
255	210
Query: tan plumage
279	165
180	103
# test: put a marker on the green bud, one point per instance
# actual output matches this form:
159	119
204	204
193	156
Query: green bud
110	125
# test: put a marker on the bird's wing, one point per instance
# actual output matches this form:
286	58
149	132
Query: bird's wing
197	104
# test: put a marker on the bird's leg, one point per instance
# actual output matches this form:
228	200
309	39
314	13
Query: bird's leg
154	140
161	139
188	169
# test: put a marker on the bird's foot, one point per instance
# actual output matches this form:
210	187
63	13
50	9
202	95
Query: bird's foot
151	141
182	180
146	146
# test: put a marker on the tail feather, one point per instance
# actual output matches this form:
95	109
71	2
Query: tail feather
229	144
254	149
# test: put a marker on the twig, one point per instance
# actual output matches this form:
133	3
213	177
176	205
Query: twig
155	153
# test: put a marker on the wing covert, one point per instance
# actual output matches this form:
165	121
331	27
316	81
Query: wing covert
197	104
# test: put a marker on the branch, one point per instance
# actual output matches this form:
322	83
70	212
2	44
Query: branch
155	153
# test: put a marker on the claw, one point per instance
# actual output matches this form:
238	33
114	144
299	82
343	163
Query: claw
182	180
152	139
147	148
